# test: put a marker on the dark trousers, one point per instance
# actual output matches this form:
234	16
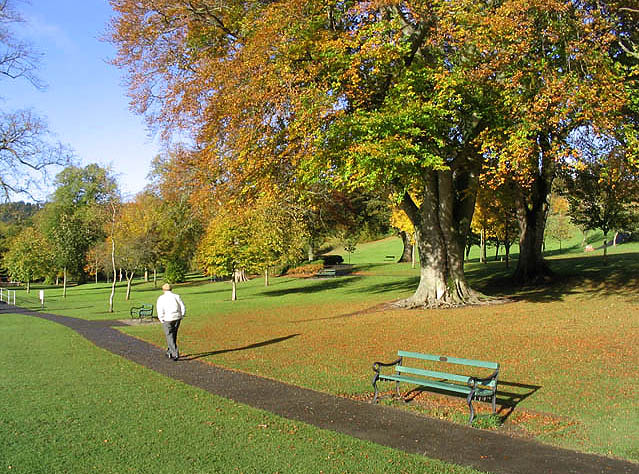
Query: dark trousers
171	331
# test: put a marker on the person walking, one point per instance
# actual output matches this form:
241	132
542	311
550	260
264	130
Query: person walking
171	310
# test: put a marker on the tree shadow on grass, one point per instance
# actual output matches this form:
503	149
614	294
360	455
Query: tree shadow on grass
405	284
315	286
617	275
200	355
373	309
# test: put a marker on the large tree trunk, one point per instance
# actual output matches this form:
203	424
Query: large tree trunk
407	254
532	211
441	226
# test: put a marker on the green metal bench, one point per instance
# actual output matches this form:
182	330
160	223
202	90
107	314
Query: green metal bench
144	311
326	272
420	374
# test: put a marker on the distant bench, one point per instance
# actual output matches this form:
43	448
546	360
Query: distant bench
144	311
473	387
389	257
326	272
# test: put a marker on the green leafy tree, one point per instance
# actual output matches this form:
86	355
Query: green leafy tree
138	237
77	215
604	196
558	225
544	61
276	232
174	211
226	248
30	257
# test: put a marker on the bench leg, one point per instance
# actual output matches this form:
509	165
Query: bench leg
495	402
469	400
375	379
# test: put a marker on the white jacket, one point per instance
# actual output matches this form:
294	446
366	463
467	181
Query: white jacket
170	307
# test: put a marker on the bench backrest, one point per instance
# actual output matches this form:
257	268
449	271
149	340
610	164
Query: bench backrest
437	358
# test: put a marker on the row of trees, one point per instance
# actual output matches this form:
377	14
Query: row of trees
85	229
432	104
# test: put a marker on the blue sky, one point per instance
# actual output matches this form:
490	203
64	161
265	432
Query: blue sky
85	100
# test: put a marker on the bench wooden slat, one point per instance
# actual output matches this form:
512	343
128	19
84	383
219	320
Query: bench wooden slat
432	374
439	375
452	360
437	384
429	383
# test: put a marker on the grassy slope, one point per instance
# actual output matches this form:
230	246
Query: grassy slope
568	352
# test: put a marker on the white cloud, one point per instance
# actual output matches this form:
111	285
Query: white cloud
43	33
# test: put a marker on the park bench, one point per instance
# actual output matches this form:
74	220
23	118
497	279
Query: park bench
146	310
326	272
389	257
419	373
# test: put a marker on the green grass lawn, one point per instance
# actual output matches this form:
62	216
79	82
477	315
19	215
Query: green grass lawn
69	407
568	351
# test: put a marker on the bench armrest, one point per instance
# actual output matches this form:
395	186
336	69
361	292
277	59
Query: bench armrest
474	381
378	365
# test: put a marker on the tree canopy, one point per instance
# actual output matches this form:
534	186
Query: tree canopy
410	99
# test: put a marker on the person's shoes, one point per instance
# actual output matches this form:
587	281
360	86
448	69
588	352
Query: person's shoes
168	356
175	359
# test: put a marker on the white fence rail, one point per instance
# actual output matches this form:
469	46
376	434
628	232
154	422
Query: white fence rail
8	296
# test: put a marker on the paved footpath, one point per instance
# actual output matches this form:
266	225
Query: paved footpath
484	450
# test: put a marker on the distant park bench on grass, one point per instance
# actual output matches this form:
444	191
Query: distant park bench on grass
474	387
144	311
326	272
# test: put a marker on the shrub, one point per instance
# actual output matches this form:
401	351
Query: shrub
308	269
332	259
175	272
